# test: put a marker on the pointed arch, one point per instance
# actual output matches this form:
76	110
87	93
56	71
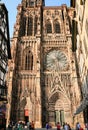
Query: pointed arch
23	31
57	26
35	25
30	26
48	27
29	61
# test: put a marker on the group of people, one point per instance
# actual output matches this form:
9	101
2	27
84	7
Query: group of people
66	126
79	127
20	125
31	126
58	126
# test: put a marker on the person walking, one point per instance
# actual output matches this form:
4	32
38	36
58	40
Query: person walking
66	127
32	125
28	124
63	125
69	127
77	126
81	128
47	126
58	126
10	126
86	126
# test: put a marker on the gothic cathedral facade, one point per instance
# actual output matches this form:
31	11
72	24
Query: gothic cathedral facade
42	79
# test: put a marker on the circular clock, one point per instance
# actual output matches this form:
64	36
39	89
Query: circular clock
56	60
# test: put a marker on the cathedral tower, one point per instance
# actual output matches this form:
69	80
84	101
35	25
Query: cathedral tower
42	70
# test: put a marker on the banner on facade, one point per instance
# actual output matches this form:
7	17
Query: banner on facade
26	112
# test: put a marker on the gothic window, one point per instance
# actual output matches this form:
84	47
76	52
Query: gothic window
30	26
27	3
35	26
31	3
29	61
57	27
49	27
23	26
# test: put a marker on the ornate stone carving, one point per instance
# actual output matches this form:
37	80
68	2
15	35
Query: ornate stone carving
49	83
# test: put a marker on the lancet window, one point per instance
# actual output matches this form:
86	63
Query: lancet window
27	3
30	26
32	3
57	27
29	61
48	27
35	25
23	26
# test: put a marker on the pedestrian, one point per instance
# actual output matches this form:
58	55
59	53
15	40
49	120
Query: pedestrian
86	126
21	126
10	126
58	126
47	126
66	127
28	123
50	126
18	126
81	128
63	125
69	127
77	126
32	125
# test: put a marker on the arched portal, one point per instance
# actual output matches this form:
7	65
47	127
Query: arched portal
59	109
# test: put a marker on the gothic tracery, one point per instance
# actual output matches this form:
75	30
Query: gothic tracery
44	64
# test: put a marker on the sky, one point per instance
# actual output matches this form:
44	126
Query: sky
11	6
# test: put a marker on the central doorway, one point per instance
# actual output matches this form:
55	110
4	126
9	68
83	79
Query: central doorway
59	116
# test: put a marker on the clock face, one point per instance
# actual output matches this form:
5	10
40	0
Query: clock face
56	60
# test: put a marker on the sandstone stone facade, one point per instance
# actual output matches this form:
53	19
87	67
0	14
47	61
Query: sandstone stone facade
42	78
